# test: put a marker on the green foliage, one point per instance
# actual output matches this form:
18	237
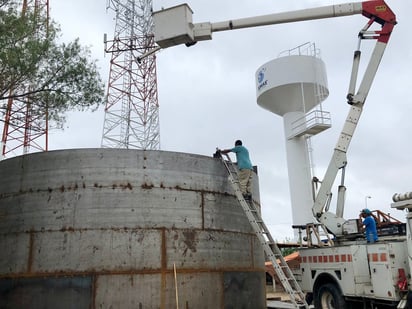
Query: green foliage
289	250
35	68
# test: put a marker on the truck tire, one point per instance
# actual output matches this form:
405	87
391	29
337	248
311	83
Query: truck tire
329	296
409	300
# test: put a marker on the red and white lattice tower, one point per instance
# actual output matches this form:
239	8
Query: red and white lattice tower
23	128
132	109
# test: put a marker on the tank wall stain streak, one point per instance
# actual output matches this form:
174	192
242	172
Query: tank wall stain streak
110	225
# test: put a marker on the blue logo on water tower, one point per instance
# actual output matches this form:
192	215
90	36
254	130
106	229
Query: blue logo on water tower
261	78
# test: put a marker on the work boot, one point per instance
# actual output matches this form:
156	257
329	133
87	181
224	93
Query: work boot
247	196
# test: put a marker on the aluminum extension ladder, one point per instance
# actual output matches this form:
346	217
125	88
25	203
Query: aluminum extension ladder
270	247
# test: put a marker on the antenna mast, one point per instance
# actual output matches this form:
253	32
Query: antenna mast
132	108
24	128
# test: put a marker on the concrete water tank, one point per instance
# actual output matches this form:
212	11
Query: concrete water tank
106	228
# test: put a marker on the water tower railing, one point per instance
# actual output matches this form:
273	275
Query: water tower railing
305	49
311	123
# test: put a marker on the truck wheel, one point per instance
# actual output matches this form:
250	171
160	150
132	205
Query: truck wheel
409	300
329	297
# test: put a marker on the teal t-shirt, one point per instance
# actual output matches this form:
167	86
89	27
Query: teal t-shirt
370	225
242	157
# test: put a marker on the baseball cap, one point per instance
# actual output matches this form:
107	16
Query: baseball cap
366	211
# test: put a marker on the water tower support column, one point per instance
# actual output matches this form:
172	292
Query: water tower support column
298	171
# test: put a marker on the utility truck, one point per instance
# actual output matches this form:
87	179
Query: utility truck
341	271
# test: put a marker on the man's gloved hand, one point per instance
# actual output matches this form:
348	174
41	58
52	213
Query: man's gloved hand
217	154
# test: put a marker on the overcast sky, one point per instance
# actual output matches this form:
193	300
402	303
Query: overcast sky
207	97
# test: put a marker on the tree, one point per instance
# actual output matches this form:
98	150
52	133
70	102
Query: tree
35	68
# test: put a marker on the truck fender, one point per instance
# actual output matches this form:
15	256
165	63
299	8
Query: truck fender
321	280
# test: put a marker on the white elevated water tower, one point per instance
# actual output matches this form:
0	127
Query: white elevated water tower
293	86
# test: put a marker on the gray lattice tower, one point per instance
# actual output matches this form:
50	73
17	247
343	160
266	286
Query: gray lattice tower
132	109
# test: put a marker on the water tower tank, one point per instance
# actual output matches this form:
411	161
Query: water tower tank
291	84
292	87
107	228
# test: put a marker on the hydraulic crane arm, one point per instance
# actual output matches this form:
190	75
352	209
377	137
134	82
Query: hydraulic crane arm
377	12
174	26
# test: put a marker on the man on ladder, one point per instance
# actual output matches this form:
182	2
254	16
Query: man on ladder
245	168
242	189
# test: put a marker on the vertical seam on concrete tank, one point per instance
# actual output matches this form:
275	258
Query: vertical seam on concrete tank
144	166
202	206
93	292
31	248
222	297
252	241
163	269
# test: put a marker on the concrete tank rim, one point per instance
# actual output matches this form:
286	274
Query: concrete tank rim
23	156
